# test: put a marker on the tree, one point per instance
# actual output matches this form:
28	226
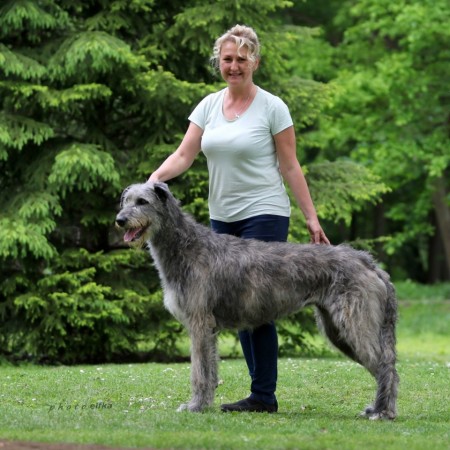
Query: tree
93	96
391	114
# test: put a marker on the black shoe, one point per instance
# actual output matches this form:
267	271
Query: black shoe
250	405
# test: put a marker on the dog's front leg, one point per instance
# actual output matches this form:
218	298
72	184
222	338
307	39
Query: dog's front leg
203	367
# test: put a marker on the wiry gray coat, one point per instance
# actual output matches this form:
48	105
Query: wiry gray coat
214	281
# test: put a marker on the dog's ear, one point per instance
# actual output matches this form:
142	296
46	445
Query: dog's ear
161	190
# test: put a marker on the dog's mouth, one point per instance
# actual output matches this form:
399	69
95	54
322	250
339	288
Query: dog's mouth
133	234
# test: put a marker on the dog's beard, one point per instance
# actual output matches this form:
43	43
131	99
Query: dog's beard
138	244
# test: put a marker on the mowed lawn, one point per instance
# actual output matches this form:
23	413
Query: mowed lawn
134	405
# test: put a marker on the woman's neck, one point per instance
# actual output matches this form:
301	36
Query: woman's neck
240	92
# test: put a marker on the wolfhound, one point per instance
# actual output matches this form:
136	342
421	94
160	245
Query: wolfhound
216	281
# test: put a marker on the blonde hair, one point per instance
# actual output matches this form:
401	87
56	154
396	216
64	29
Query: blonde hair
243	36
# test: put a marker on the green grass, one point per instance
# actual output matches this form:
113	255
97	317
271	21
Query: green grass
134	405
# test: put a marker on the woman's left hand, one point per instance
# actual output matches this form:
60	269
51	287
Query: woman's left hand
316	233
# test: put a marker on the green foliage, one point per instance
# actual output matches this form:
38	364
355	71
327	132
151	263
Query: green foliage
390	111
343	187
94	96
35	17
16	131
82	166
76	311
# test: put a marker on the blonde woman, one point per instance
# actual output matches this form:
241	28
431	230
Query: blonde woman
248	138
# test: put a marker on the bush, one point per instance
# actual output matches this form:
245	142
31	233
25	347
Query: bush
87	308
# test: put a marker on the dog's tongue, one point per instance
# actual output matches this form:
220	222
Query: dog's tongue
131	234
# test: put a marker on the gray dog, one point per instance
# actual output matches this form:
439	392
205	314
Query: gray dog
215	281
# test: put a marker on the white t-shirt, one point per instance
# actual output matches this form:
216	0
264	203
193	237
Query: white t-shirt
244	177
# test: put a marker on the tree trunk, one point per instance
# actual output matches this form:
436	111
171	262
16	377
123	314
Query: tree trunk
442	211
435	254
379	230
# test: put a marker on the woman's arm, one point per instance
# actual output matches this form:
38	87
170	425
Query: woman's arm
292	172
183	157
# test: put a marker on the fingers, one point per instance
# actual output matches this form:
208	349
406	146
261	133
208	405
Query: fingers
319	237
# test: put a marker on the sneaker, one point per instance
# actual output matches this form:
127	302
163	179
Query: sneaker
250	405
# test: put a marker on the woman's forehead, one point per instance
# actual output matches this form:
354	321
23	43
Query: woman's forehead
231	48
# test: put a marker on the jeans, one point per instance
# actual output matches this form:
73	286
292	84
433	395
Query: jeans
260	346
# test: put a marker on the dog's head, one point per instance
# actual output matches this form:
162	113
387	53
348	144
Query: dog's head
139	215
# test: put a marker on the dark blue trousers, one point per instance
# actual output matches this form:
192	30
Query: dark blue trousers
260	346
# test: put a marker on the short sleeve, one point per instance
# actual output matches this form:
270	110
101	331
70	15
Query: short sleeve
280	117
198	115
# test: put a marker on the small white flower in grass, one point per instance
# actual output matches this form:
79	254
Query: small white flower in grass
81	371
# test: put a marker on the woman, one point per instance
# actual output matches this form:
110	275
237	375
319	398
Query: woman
248	138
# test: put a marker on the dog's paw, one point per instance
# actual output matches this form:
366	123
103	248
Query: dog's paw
383	415
371	414
367	412
182	407
192	407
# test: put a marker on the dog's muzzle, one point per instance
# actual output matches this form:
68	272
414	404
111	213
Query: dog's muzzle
131	234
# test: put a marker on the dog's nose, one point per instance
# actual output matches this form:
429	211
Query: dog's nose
121	221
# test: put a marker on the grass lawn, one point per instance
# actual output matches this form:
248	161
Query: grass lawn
134	405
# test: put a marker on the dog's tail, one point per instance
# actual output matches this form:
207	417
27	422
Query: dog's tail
388	337
387	377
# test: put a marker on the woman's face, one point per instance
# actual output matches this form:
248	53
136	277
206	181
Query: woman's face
236	69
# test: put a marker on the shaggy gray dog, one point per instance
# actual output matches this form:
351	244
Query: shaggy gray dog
215	281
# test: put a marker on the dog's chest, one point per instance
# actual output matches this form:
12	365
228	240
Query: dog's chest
172	305
171	299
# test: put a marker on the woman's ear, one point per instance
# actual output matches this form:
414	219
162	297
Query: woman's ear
256	64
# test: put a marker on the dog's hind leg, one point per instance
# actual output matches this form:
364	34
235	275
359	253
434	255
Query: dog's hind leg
327	326
203	367
366	334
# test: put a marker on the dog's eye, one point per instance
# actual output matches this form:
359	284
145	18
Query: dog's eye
141	201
